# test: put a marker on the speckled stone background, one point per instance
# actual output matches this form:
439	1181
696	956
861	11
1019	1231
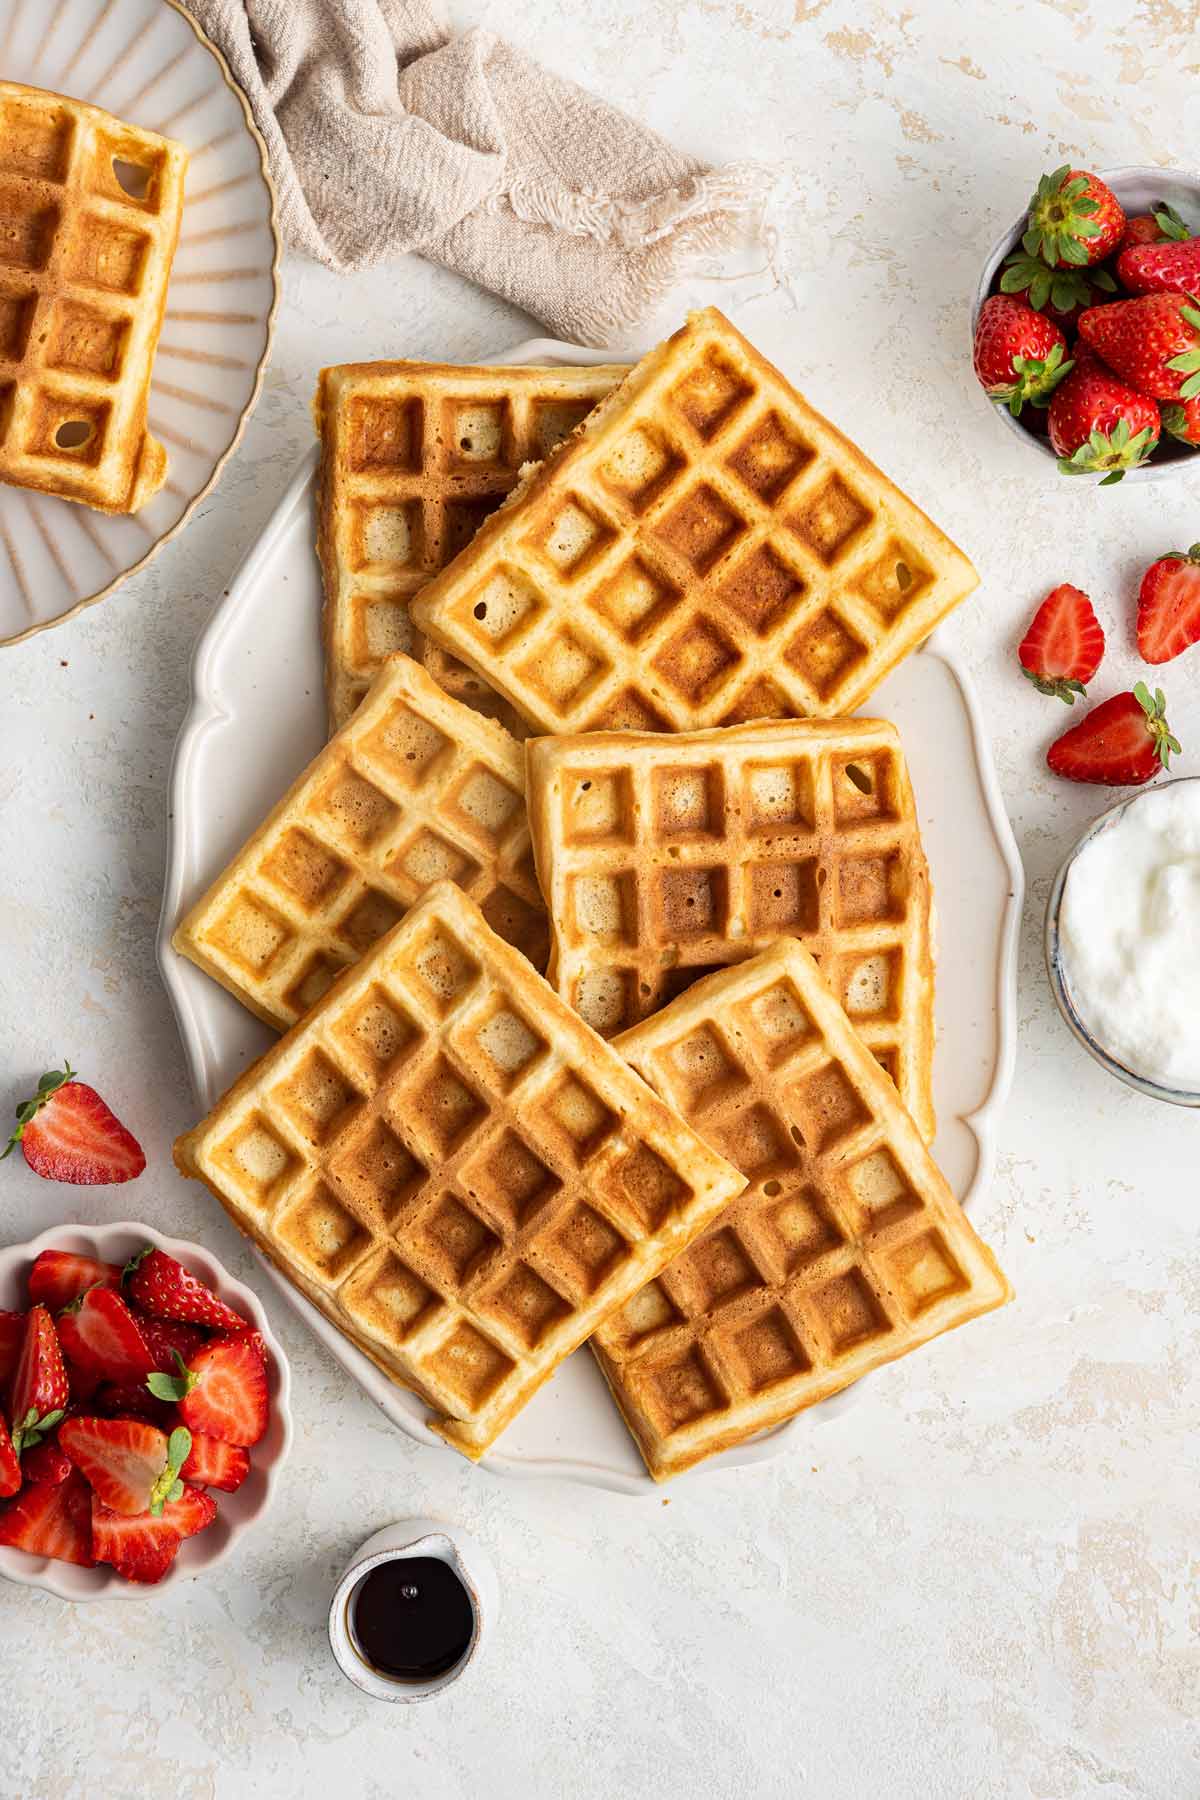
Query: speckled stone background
982	1580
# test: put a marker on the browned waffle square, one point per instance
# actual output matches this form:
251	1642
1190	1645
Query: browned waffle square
89	219
662	858
415	788
414	456
460	1174
847	1249
706	549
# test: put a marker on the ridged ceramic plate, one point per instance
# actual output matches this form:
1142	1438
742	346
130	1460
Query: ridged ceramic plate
258	715
147	62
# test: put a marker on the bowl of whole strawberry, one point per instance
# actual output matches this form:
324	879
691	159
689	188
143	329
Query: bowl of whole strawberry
144	1411
1086	323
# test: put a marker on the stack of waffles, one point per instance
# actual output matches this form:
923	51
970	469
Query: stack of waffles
622	1032
89	220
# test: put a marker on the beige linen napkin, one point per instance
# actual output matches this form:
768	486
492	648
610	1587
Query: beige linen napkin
387	135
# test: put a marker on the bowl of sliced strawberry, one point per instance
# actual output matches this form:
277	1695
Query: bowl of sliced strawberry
144	1411
1086	323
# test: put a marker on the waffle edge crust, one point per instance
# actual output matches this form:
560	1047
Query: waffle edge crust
846	1250
705	549
89	220
414	456
460	1174
664	857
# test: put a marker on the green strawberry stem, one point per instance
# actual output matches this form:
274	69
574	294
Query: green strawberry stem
169	1486
173	1387
1155	709
1115	453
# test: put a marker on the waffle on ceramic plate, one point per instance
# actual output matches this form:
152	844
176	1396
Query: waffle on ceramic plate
460	1174
846	1250
414	456
662	858
414	789
706	549
89	219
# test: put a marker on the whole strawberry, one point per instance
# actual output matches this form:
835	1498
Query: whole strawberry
162	1286
1123	742
1162	225
1161	268
1182	419
1098	425
1064	645
1153	343
1168	618
68	1133
1074	220
1019	353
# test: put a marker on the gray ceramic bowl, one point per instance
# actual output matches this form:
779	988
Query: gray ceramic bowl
1059	985
1137	190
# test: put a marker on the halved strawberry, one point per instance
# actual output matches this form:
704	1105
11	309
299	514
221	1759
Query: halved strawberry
254	1338
214	1464
133	1467
101	1337
12	1336
39	1383
10	1463
1064	645
142	1547
68	1133
1168	618
46	1462
51	1518
165	1288
1123	742
167	1337
223	1394
59	1276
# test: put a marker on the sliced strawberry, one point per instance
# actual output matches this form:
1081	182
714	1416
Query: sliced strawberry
1168	618
193	1511
1064	645
165	1288
223	1394
214	1464
167	1337
12	1336
131	1400
138	1546
39	1383
59	1276
100	1336
46	1462
68	1133
51	1518
254	1338
132	1466
10	1464
1123	742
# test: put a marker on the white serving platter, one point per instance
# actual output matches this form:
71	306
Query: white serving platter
148	62
258	715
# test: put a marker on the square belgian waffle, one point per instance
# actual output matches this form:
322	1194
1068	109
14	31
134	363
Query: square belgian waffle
414	789
414	456
89	219
460	1174
847	1249
662	858
706	549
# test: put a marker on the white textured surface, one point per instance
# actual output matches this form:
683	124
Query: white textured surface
983	1580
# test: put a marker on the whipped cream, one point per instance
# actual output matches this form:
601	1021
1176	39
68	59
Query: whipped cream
1129	936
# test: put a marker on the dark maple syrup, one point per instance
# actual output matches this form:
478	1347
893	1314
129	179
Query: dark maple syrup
411	1619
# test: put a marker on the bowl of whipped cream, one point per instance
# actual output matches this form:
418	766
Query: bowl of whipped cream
1123	941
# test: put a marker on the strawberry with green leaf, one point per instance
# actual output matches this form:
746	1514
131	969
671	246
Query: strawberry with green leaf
1123	742
1172	268
1168	617
1182	419
1152	343
1064	645
133	1467
1099	425
68	1133
39	1384
1020	355
223	1394
1161	225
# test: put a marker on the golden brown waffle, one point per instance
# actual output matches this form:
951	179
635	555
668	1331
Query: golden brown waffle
846	1250
662	858
414	789
89	219
414	456
706	549
461	1175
